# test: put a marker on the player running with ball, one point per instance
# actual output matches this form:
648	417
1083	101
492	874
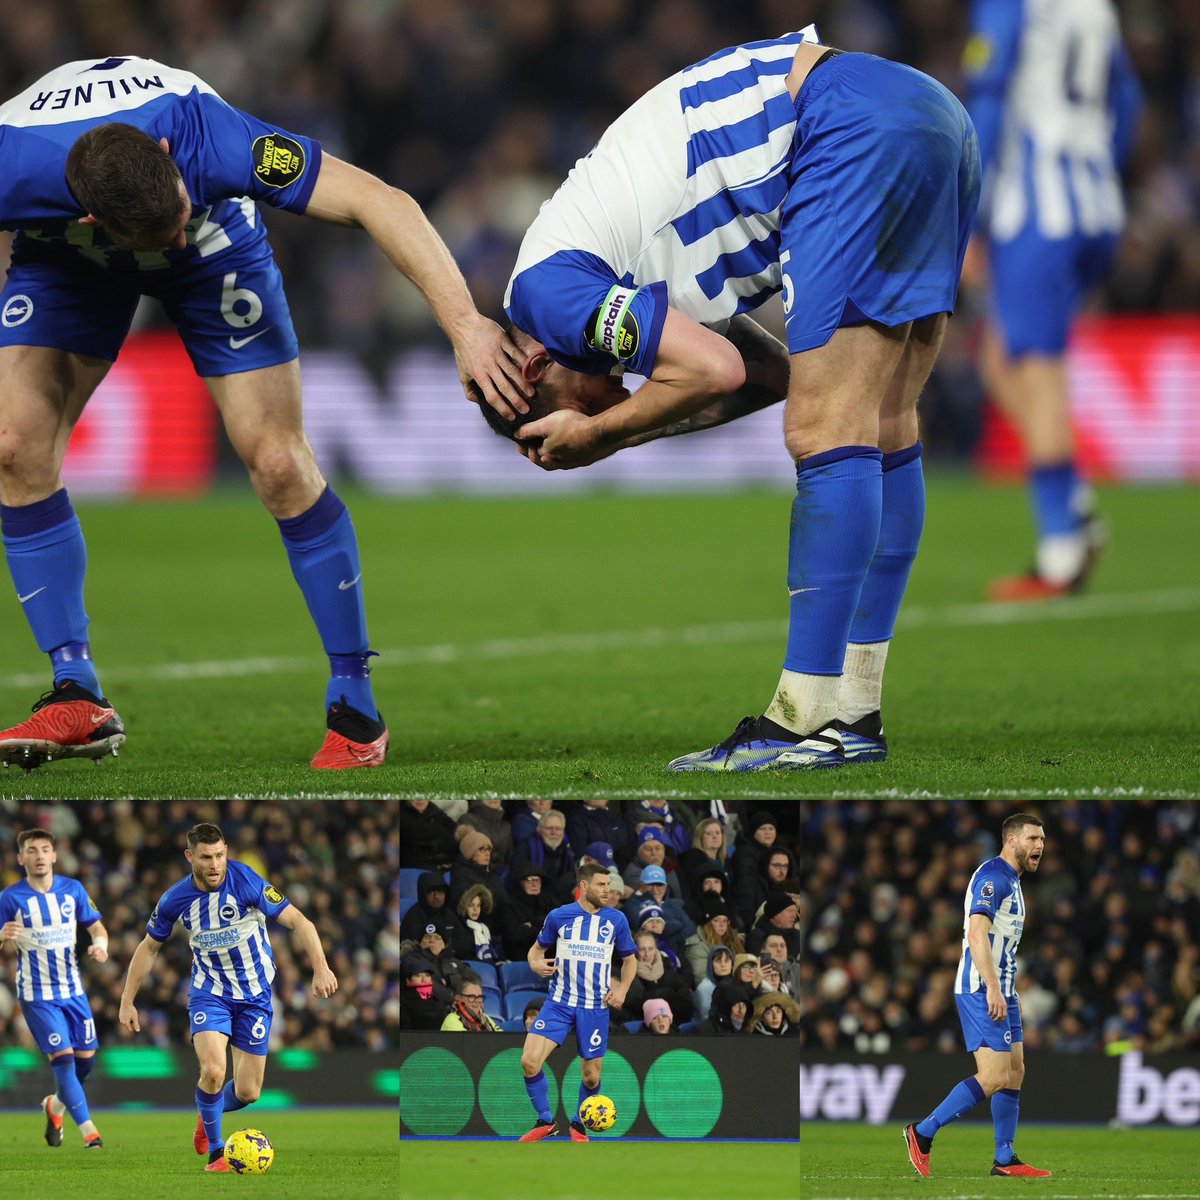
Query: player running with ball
583	936
988	1005
224	906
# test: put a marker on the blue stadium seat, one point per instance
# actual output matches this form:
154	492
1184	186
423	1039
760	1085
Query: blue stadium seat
406	902
486	972
516	1025
493	1003
633	1026
689	1026
408	881
514	1002
521	976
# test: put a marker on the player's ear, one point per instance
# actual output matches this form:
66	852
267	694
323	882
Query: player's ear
536	366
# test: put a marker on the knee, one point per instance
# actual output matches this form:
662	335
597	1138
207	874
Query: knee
992	1081
212	1077
1016	1077
591	1074
247	1093
530	1066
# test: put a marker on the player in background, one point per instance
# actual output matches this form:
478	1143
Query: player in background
125	177
40	916
1055	104
224	906
988	1005
848	184
580	939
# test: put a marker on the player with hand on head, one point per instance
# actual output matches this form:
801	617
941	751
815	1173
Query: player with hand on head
849	184
988	1005
1055	101
40	916
224	906
125	177
580	939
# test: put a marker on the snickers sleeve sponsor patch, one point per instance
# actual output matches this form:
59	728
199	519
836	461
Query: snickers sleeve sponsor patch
278	159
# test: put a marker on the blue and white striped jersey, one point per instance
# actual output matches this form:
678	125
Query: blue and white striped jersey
1055	102
679	202
228	159
582	943
227	929
47	968
994	891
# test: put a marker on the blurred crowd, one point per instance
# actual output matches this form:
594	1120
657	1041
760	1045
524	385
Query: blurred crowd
1109	957
479	107
711	896
336	861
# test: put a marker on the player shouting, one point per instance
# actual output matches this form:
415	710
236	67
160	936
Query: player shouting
40	915
583	936
224	906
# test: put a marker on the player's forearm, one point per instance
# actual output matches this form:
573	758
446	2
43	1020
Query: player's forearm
536	955
139	968
654	408
628	973
981	956
309	940
746	400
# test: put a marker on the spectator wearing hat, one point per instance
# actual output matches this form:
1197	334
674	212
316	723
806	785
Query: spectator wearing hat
656	979
467	1015
715	930
487	816
434	948
775	1015
592	821
652	852
760	834
658	1019
713	882
525	822
732	1007
474	866
706	854
474	908
531	1011
431	906
652	888
424	1003
427	838
780	915
775	867
548	850
602	854
529	903
651	917
718	970
674	825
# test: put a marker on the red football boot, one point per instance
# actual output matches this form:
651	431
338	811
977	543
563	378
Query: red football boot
918	1157
353	740
200	1138
67	722
1016	1169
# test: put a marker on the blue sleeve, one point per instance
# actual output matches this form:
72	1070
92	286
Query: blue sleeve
624	942
163	918
988	63
988	894
587	318
254	889
224	153
85	906
1124	105
8	906
548	938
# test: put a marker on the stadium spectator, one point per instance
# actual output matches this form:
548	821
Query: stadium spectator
715	930
531	1011
433	949
652	852
706	853
657	979
672	824
423	1002
467	1015
591	821
521	919
658	1019
760	834
775	1015
732	1004
774	951
652	889
713	882
487	816
475	905
718	970
781	914
775	868
745	970
525	822
602	853
430	907
650	919
426	836
474	866
548	850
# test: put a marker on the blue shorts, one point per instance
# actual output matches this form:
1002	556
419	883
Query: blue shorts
1039	283
883	188
59	1025
247	1023
980	1030
230	308
556	1021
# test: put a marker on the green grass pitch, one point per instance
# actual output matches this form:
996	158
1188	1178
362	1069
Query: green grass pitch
572	646
336	1152
562	1171
849	1162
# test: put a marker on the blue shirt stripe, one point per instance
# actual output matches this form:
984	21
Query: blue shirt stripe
708	144
724	86
750	260
725	206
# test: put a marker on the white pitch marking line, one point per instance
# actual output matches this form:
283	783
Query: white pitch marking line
1081	608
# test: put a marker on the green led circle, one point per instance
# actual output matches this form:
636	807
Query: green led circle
437	1093
618	1081
503	1099
683	1095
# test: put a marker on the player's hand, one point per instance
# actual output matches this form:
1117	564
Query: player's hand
99	953
615	997
997	1005
490	367
11	930
324	983
128	1017
545	967
562	440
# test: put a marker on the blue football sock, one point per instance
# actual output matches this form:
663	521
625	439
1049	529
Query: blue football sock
323	550
1052	489
69	1090
83	1068
211	1107
47	559
962	1098
230	1098
584	1093
900	526
1006	1104
835	529
539	1095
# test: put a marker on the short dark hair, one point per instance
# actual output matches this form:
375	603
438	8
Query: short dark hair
588	871
205	832
33	835
125	179
1017	822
